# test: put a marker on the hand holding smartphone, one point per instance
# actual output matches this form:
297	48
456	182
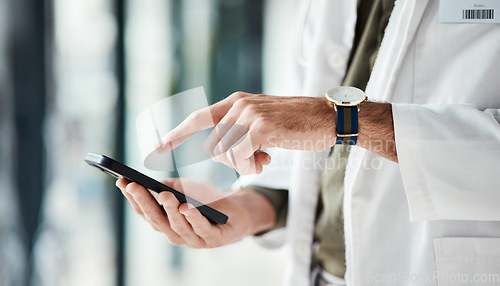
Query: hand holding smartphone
119	170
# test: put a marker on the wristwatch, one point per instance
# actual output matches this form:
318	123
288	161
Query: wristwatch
346	101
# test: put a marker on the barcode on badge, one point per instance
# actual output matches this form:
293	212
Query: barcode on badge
473	14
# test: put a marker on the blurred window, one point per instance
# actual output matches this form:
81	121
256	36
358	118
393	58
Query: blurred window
75	102
174	46
12	252
75	244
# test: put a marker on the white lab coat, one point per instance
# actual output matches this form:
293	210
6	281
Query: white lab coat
434	218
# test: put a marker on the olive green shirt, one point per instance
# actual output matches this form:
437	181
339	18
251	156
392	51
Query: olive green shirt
373	16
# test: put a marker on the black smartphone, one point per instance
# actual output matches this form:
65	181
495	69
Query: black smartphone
119	170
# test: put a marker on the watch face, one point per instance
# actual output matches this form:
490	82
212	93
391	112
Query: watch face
346	95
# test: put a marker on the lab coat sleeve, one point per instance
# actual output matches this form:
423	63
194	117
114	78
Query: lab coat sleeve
449	157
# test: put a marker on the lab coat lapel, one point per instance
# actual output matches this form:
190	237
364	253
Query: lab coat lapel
398	36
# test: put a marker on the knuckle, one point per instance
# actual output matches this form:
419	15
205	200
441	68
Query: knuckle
170	206
173	134
136	209
242	103
262	122
194	116
205	233
261	125
175	241
238	95
250	168
195	245
130	188
181	231
257	112
135	190
208	147
155	221
167	199
214	245
244	171
218	156
216	150
252	110
228	163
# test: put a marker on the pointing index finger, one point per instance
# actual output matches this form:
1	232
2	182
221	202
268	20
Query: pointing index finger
201	119
195	122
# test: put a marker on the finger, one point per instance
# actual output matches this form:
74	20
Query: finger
262	157
246	166
200	224
171	236
154	195
214	137
260	160
153	213
253	165
242	156
228	158
223	136
195	122
178	221
146	203
211	145
173	183
245	147
122	183
199	120
163	146
231	112
131	201
234	135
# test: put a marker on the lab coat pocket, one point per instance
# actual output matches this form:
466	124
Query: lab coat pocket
467	261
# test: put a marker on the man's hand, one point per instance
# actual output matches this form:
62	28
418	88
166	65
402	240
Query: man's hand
249	212
246	123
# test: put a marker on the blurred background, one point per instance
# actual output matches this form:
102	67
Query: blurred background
74	75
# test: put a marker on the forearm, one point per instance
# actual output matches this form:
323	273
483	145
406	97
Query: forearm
376	129
262	212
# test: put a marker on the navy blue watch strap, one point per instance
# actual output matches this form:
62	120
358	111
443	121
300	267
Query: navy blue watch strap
347	125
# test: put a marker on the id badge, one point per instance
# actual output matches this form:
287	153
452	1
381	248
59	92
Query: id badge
469	11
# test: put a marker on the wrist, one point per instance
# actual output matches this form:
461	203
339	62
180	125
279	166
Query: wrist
330	122
376	129
259	210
